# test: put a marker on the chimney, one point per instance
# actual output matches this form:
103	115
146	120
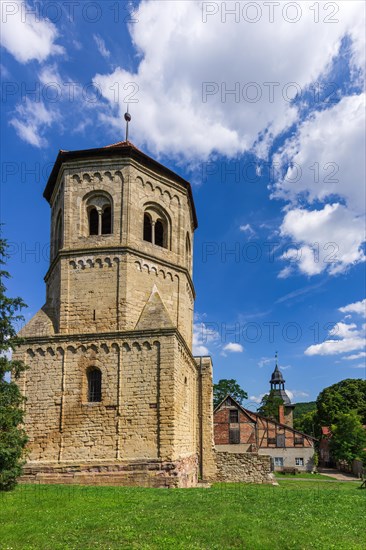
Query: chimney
281	414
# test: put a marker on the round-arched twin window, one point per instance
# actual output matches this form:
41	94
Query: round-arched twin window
99	210
156	227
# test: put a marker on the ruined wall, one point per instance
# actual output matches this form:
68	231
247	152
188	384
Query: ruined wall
205	437
243	467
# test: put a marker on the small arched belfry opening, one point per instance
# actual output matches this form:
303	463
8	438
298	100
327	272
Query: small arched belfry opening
156	226
188	253
58	236
94	385
99	212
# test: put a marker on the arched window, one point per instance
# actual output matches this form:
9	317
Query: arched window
147	228
93	221
58	233
160	233
156	224
94	376
188	252
100	215
107	221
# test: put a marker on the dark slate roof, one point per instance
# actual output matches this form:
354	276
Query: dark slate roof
283	395
277	377
121	149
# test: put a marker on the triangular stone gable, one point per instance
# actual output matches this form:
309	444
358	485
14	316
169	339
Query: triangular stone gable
39	325
154	315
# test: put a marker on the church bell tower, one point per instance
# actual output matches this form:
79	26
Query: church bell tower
112	381
277	382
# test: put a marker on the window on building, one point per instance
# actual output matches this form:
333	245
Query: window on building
234	436
147	228
234	416
299	440
299	461
271	441
156	226
188	252
107	221
93	221
280	440
278	461
58	233
100	215
160	233
94	376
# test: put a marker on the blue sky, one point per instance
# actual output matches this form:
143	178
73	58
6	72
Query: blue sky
261	107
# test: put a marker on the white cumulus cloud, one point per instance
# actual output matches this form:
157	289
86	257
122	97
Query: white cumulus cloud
25	35
357	307
233	347
183	85
329	238
30	121
203	335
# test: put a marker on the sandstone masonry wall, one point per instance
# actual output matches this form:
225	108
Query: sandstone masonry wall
243	467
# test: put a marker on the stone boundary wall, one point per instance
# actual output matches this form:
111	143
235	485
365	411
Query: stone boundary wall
243	467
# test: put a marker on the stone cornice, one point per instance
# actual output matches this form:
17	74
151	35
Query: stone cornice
118	250
91	337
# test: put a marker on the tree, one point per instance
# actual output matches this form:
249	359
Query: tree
308	423
12	435
224	387
343	397
304	408
348	439
269	406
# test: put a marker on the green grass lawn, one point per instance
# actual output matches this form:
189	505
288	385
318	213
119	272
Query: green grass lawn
294	515
306	475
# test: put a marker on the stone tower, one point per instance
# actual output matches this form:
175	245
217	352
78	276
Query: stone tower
286	411
112	385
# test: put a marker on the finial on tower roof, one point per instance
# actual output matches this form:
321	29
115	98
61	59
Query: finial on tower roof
127	119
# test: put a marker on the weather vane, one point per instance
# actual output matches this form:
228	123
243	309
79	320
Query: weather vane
127	119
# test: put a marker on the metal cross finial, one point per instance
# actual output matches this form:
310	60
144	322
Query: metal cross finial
127	119
276	357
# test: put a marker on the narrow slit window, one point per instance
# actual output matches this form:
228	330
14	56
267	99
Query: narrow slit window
188	252
94	386
93	221
147	228
159	233
107	221
58	233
